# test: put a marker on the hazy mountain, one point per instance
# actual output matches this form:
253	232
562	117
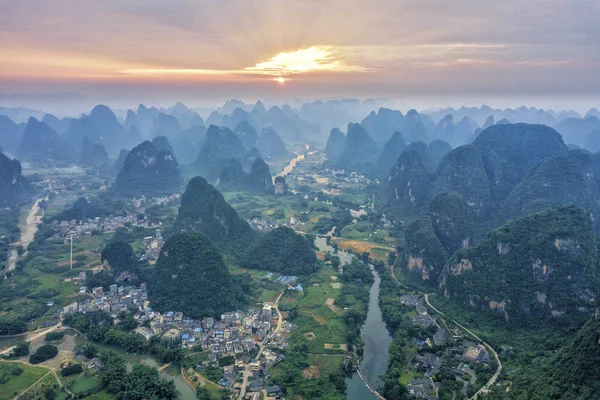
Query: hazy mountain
186	117
270	144
148	171
249	158
10	134
360	151
41	144
382	125
247	134
335	144
437	151
14	188
414	128
162	143
220	146
577	130
258	180
100	126
93	154
61	126
203	209
571	178
121	159
390	153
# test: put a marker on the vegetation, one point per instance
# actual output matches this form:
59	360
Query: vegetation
71	370
120	257
282	250
43	353
82	209
142	383
540	264
188	273
16	377
52	336
12	326
203	209
147	170
289	376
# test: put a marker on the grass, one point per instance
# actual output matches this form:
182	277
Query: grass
16	384
327	363
85	383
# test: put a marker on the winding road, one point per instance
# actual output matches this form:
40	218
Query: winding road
494	377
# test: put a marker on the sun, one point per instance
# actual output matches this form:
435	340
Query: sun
281	79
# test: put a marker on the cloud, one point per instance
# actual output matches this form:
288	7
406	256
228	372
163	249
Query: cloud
433	43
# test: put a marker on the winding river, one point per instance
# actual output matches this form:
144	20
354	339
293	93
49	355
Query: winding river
374	334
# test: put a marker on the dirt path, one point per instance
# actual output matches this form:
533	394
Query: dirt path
31	336
32	386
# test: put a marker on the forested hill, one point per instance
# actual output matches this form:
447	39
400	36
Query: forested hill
282	250
203	209
191	277
14	187
148	171
545	264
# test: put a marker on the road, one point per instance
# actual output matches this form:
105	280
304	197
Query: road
494	377
247	372
33	335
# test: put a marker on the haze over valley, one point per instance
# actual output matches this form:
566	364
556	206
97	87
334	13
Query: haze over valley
299	200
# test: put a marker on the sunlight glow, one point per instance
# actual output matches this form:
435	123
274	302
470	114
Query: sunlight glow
311	59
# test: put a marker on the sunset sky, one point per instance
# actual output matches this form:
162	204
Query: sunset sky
137	49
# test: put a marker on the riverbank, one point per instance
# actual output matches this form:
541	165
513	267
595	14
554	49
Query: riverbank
363	384
28	230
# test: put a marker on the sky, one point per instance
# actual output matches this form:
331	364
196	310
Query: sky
210	50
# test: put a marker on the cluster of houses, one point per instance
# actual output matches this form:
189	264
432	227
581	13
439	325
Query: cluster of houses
268	224
458	357
64	229
155	201
234	333
153	245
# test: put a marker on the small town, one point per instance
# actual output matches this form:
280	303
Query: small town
249	337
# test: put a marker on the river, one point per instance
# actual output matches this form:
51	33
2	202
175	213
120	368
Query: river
27	234
374	334
292	164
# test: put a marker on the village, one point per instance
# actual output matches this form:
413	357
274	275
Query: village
443	350
252	340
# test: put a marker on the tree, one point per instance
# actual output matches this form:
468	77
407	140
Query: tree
21	349
45	352
89	350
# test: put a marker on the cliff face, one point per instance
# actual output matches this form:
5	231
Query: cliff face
203	209
543	264
149	171
14	188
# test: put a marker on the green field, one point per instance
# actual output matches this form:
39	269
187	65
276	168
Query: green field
12	384
327	363
85	383
315	317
